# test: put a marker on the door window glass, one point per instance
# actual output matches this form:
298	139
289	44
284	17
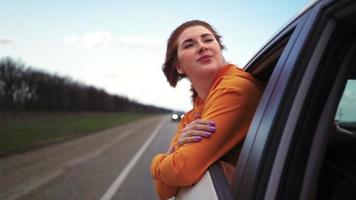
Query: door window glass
346	112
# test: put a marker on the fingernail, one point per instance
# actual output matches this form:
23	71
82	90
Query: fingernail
198	138
207	134
212	129
211	123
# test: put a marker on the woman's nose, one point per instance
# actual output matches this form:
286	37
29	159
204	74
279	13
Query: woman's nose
202	47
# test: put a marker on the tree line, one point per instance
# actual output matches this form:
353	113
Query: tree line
23	88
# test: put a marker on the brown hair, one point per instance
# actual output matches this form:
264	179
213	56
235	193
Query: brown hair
169	66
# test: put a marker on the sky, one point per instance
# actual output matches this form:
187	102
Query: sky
119	45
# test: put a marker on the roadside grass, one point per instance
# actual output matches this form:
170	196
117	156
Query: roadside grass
24	131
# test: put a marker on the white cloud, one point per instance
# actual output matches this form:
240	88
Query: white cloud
6	40
97	39
138	41
101	39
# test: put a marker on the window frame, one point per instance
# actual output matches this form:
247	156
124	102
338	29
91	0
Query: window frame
259	148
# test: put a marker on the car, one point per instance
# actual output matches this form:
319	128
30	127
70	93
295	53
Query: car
177	116
294	148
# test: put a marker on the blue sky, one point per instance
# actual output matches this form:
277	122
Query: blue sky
119	45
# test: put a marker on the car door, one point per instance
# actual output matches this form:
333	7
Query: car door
282	155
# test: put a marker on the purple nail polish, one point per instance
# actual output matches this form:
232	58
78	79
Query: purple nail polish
211	123
198	138
212	129
207	134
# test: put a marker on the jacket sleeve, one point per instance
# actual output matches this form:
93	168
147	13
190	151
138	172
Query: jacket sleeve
232	110
163	190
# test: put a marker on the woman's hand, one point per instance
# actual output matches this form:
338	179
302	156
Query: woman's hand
196	131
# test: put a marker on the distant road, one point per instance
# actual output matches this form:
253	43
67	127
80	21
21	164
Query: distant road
113	164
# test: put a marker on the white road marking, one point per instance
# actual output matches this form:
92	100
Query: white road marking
115	186
42	179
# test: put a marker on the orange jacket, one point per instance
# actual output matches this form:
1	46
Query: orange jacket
231	104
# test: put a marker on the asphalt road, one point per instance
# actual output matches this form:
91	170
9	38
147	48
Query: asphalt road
113	164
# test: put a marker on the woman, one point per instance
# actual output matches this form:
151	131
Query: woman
224	101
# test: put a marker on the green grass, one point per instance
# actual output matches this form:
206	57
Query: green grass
23	131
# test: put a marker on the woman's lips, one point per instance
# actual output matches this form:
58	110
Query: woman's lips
204	58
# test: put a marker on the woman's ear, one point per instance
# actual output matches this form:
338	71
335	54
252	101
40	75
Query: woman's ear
179	69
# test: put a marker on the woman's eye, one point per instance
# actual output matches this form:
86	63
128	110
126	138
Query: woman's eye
209	40
188	46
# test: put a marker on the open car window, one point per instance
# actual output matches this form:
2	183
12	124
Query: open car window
262	68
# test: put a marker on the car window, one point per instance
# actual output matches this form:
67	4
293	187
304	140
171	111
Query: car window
265	61
346	111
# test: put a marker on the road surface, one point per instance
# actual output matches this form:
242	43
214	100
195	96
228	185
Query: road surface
109	165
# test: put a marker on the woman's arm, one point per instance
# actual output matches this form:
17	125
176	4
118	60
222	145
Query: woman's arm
163	190
200	128
232	110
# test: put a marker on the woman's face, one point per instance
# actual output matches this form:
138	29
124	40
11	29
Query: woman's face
199	53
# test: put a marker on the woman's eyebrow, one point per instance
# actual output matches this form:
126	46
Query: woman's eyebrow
187	41
205	35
